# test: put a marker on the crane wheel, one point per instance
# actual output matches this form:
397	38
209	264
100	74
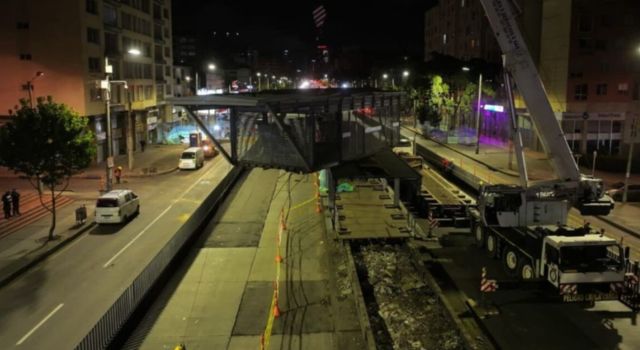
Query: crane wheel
478	234
511	261
526	269
492	245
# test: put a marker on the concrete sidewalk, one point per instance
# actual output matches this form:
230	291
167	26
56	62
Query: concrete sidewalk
492	165
155	160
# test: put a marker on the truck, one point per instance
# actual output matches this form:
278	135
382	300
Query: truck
525	225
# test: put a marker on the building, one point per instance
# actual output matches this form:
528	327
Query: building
601	73
69	40
459	28
587	56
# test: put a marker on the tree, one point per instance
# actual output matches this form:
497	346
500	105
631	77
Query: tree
48	144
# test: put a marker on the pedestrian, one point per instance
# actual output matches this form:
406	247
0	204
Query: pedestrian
118	174
6	204
142	144
15	201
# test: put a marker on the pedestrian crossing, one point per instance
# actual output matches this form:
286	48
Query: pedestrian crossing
31	210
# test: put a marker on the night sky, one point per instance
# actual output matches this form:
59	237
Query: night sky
381	28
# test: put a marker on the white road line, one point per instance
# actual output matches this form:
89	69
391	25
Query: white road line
110	262
39	324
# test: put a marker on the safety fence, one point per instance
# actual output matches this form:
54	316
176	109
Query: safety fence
106	329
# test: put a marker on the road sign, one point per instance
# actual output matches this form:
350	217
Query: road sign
631	134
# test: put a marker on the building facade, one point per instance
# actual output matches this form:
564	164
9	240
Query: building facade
69	43
459	28
587	54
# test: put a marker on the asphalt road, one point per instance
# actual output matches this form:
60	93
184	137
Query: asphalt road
55	304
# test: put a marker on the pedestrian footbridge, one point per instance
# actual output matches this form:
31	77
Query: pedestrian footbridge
300	130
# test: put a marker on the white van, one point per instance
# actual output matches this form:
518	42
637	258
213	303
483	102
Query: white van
117	206
192	158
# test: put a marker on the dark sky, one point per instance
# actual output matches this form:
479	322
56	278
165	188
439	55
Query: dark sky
386	28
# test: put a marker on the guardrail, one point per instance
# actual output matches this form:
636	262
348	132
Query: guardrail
110	324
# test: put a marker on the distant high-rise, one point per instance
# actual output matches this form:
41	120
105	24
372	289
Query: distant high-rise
459	28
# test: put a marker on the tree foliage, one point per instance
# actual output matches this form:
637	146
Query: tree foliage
48	144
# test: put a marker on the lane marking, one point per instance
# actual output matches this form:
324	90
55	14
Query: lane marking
110	262
22	340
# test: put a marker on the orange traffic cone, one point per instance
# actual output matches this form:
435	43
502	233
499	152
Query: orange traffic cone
276	310
318	207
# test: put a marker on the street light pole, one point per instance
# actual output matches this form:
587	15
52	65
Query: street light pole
632	139
478	114
107	100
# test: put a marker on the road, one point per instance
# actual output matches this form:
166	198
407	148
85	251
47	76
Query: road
55	304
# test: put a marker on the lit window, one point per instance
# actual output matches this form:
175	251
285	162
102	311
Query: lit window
623	88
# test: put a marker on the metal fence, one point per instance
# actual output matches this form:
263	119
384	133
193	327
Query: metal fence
105	330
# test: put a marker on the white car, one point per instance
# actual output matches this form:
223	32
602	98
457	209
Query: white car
117	206
191	158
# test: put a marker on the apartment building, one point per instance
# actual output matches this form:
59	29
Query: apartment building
61	49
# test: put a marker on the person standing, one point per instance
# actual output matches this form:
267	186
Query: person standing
118	174
142	144
6	204
15	201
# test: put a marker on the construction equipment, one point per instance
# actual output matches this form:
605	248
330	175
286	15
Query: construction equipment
525	225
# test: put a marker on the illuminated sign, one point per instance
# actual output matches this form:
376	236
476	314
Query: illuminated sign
494	108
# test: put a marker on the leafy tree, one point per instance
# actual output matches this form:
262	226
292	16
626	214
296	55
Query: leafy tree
48	144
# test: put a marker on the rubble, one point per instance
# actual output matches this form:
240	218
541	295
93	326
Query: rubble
405	313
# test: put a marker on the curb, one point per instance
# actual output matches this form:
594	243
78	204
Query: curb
490	167
98	177
619	227
5	280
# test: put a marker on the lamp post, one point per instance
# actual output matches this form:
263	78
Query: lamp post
478	113
106	85
259	81
30	87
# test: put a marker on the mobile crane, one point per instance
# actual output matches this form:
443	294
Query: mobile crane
525	225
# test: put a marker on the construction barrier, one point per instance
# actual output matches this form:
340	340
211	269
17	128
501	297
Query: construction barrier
274	309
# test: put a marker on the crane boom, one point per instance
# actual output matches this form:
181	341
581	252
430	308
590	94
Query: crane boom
523	70
548	202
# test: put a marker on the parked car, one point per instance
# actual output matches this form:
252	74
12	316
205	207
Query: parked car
633	194
192	158
117	206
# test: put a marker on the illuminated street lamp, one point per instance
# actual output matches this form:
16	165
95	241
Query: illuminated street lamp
211	67
259	81
405	74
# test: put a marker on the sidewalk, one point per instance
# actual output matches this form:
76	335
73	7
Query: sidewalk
155	160
23	240
625	216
